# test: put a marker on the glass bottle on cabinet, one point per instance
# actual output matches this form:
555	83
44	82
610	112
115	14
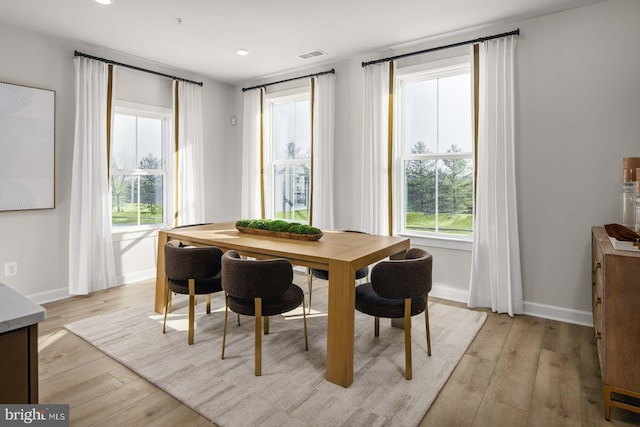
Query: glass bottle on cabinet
627	204
637	207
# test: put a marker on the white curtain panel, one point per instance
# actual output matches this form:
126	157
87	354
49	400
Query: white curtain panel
91	259
374	216
251	199
323	148
496	280
190	155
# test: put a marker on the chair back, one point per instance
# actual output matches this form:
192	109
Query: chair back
405	278
246	278
188	262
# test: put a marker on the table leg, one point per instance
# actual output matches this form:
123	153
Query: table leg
340	323
160	276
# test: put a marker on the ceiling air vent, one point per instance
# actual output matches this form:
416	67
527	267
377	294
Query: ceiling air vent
312	54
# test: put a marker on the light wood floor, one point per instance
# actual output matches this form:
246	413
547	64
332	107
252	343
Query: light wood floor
521	371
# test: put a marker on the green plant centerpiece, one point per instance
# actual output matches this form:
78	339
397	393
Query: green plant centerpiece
279	228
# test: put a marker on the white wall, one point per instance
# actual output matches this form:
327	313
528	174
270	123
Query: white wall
222	152
38	240
578	115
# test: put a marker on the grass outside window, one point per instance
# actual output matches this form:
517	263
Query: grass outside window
137	214
461	224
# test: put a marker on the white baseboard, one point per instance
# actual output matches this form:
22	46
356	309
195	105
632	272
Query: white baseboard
447	292
62	293
136	277
49	296
567	315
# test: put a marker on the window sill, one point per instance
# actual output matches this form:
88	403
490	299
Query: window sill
134	233
458	244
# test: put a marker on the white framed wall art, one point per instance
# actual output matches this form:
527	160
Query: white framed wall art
27	148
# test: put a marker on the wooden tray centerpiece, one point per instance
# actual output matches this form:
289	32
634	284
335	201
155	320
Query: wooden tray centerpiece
279	228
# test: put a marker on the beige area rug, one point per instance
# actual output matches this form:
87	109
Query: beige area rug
292	390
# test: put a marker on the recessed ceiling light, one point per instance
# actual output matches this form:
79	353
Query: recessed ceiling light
243	52
104	1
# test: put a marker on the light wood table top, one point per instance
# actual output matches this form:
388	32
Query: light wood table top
341	253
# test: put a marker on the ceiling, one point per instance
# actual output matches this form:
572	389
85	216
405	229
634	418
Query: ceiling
203	36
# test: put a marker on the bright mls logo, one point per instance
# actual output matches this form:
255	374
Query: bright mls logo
37	415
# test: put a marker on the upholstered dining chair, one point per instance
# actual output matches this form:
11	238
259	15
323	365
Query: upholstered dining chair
191	271
399	289
324	274
259	288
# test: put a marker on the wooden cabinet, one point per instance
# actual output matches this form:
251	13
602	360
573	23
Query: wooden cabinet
19	365
19	319
616	320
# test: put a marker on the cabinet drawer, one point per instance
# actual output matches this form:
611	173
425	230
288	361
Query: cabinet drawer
598	313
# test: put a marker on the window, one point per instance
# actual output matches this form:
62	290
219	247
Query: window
139	151
287	159
433	169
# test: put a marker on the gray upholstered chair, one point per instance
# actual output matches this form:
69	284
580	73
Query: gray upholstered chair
399	289
324	274
191	271
259	288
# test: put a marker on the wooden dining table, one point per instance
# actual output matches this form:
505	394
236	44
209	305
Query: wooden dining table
341	253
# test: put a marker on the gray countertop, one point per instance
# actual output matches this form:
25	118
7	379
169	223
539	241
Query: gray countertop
17	311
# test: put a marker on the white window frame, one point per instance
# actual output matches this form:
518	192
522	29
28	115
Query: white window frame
168	148
432	69
269	161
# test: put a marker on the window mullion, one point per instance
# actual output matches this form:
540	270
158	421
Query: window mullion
438	162
138	198
437	196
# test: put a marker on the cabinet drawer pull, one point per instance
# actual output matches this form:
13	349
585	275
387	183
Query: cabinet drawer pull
598	300
598	335
596	265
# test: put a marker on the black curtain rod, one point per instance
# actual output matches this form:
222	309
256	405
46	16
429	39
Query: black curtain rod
133	67
331	71
449	46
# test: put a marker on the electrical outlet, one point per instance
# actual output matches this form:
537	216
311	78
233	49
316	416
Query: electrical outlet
11	268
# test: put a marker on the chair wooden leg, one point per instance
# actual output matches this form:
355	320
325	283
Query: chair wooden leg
238	319
309	285
208	303
266	325
258	333
376	326
426	323
224	330
192	308
167	295
170	305
304	319
607	402
407	338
